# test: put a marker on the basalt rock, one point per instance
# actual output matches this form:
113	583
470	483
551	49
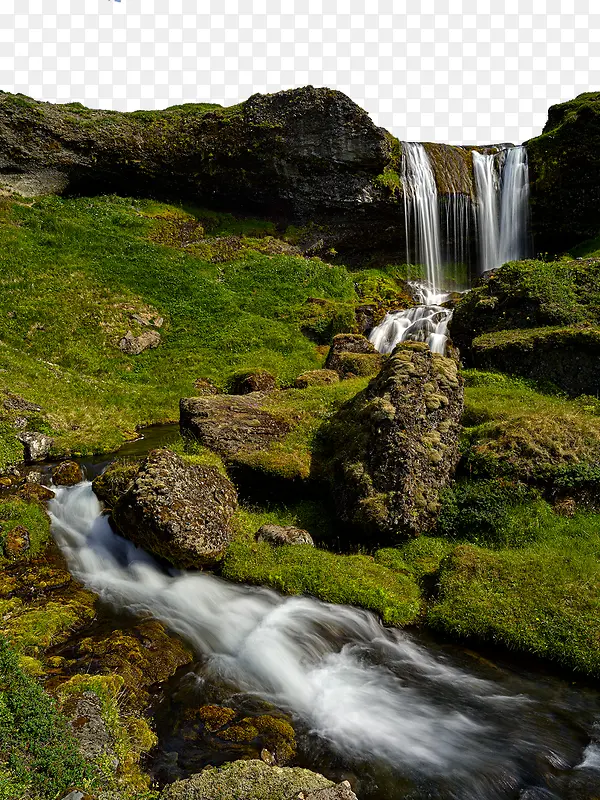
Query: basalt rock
391	449
230	424
179	512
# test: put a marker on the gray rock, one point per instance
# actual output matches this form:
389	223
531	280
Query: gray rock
177	511
37	445
134	345
12	402
278	535
343	791
93	737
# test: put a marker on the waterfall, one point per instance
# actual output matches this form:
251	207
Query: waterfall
421	212
502	182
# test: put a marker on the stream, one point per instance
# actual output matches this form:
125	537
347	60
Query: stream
403	715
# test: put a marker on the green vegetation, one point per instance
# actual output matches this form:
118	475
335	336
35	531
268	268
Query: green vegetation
38	755
16	514
301	569
99	256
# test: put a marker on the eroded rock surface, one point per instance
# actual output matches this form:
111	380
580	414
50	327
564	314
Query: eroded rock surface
390	450
177	511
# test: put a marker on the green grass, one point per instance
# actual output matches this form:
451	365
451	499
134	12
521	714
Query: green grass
38	756
73	271
33	518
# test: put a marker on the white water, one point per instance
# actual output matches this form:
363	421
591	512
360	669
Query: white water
421	212
502	183
371	694
426	322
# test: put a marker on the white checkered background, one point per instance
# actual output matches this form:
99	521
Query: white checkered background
460	71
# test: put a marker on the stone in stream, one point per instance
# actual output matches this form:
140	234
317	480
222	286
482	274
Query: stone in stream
178	511
390	450
37	446
255	780
67	473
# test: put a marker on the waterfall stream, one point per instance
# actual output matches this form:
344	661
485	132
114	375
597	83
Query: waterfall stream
415	722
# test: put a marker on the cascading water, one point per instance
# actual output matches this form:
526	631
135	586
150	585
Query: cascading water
367	694
487	183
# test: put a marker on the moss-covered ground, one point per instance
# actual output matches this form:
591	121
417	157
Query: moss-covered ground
74	274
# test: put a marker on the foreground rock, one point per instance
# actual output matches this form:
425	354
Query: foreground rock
255	780
177	511
68	473
36	446
230	424
389	451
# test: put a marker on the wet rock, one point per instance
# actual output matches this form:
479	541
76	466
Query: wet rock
37	446
179	512
229	424
134	345
67	473
34	492
251	780
353	354
278	535
16	542
115	481
258	380
316	377
343	791
391	449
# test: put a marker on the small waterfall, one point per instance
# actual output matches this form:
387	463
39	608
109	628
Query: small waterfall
502	182
426	322
421	212
514	207
457	220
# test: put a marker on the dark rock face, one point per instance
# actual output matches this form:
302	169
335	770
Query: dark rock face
353	354
228	424
305	154
390	450
564	166
68	473
179	512
278	534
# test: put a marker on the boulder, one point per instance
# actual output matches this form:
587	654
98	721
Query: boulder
37	445
178	511
391	449
230	424
33	492
258	380
67	473
115	481
278	534
353	354
134	345
317	377
251	780
17	542
343	791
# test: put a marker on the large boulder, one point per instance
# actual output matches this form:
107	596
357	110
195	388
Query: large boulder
255	780
37	446
179	512
353	354
67	473
390	450
230	424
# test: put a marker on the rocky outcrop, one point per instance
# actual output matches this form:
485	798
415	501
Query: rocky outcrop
390	450
353	354
67	473
37	446
564	168
134	345
317	377
280	534
229	424
254	780
179	512
258	380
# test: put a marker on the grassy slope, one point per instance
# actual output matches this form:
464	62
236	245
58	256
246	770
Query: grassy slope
72	271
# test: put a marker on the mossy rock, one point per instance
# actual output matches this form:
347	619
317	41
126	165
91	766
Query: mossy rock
258	380
316	377
115	481
568	358
68	473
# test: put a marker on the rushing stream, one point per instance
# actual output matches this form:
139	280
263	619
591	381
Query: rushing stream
411	719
